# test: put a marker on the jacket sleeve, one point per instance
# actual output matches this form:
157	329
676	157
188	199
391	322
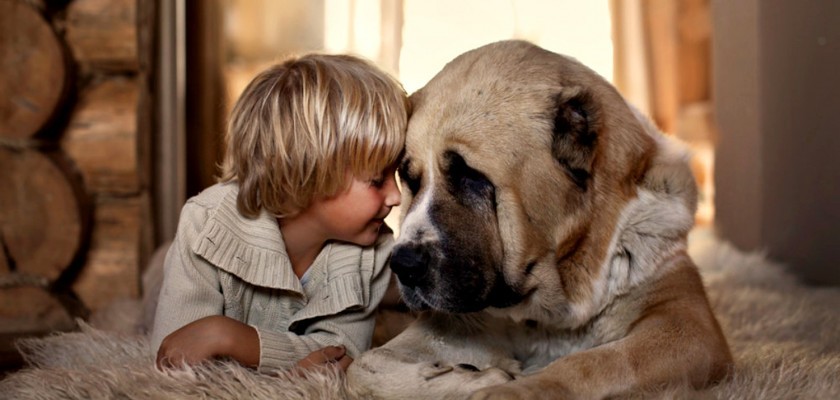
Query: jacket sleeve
352	328
191	288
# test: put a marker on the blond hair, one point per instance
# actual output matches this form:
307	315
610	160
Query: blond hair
301	125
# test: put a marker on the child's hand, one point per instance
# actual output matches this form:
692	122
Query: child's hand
330	356
207	338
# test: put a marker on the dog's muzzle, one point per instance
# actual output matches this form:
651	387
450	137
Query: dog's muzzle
411	263
431	280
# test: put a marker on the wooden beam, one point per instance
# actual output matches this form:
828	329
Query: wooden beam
103	34
34	69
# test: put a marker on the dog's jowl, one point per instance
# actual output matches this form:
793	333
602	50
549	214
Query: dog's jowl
543	237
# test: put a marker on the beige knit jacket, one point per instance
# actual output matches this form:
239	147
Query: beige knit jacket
222	263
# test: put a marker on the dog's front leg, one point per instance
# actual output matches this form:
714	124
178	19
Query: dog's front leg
675	341
421	363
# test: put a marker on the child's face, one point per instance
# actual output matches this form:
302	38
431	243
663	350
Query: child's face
356	214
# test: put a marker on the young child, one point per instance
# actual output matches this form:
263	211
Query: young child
283	262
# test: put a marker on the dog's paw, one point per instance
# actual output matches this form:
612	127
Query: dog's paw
474	379
510	392
465	373
433	370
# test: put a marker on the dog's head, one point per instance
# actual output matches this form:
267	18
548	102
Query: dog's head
523	172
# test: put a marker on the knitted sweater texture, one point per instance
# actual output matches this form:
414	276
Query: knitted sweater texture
222	263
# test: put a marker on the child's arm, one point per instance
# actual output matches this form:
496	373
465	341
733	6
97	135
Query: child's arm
220	336
210	337
330	356
190	289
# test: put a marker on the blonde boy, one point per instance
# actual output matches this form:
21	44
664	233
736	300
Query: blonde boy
283	262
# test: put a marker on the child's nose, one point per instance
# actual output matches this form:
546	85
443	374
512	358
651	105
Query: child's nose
392	195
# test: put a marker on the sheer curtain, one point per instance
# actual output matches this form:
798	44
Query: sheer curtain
663	66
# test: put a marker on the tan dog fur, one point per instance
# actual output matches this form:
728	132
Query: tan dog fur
578	213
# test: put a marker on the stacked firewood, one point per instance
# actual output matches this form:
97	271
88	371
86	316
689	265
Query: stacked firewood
75	123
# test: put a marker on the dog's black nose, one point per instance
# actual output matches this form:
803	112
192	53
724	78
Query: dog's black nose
410	263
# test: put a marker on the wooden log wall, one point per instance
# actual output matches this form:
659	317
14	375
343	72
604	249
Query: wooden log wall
75	127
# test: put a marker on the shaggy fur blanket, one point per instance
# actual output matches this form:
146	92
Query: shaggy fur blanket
785	338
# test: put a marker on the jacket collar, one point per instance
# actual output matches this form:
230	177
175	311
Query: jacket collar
254	251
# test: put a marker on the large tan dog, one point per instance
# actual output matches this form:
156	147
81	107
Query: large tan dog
544	229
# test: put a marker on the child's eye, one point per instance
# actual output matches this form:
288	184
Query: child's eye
378	181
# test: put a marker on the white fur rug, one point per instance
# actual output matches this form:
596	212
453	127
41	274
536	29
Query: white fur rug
785	338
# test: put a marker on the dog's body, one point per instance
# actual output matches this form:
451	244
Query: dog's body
544	229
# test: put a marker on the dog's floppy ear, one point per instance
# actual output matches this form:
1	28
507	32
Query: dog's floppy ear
576	124
667	172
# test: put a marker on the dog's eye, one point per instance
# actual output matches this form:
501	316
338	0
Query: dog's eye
413	182
466	182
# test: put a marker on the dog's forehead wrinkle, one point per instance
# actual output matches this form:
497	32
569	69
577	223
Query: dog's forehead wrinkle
492	153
